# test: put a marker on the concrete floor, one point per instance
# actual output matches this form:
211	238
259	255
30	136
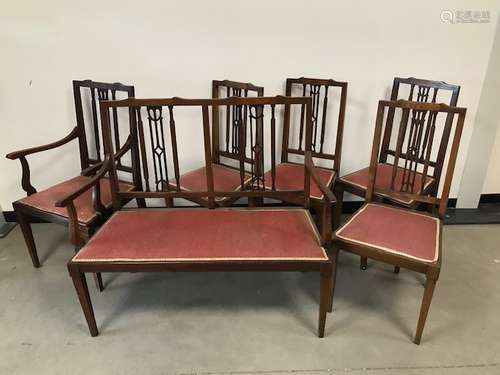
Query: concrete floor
249	323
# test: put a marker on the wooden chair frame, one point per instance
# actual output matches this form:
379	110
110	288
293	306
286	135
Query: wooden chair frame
431	270
421	90
315	85
77	270
89	166
234	117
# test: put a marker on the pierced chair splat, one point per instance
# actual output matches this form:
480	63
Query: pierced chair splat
228	124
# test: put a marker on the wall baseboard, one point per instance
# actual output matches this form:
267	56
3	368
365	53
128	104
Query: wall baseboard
490	198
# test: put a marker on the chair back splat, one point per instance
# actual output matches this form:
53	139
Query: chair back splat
157	144
88	96
233	117
411	169
319	91
422	91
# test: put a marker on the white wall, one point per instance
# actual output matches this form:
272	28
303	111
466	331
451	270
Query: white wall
169	48
482	141
492	180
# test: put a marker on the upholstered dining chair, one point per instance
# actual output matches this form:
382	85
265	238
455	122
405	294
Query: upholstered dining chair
91	207
414	89
326	141
228	123
400	236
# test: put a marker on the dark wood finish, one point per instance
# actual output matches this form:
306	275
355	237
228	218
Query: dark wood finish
423	91
454	119
91	160
319	91
258	107
228	131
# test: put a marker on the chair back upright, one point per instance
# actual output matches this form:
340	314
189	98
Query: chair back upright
412	157
320	91
88	96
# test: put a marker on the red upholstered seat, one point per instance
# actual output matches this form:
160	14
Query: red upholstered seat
394	230
383	180
225	179
45	200
291	177
176	235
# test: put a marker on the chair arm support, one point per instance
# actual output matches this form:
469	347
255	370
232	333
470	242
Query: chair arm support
94	182
68	202
122	151
317	180
21	155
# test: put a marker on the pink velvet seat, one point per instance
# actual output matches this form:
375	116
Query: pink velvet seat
383	180
291	177
397	231
177	235
225	179
45	199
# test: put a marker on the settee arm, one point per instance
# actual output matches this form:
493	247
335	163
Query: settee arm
68	201
328	194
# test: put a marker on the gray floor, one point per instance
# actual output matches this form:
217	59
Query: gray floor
251	323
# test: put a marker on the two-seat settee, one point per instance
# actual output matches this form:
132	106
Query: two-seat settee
202	239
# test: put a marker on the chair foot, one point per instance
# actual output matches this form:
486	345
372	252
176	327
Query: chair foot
396	269
363	263
25	225
325	297
82	291
98	281
424	309
334	258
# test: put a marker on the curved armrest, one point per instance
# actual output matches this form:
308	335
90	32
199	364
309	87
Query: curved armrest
21	153
317	180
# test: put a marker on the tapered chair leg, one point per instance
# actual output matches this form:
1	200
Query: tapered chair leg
334	257
363	263
82	291
98	281
325	221
337	209
424	309
325	297
141	202
25	225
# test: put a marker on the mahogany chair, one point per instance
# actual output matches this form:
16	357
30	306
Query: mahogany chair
419	90
400	236
91	207
289	173
225	144
200	239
